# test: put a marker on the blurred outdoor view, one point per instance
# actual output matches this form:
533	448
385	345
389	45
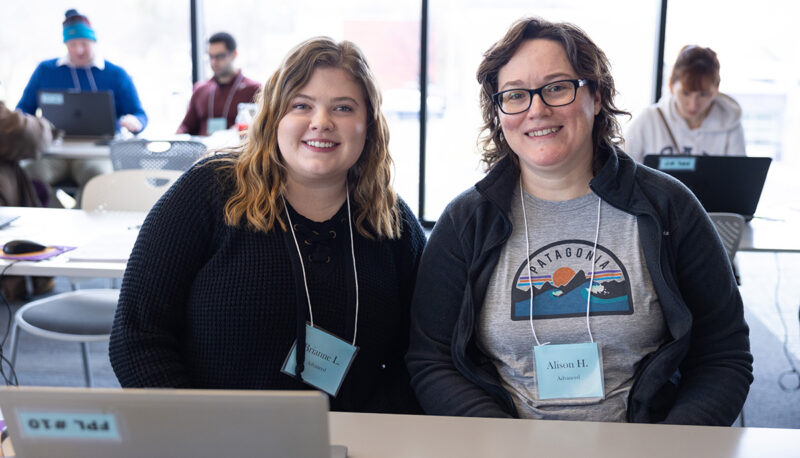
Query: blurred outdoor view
151	40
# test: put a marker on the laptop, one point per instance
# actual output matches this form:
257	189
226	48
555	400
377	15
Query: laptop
81	115
103	422
730	184
5	220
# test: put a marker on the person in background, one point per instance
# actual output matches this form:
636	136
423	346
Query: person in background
214	103
694	118
22	136
572	283
82	69
253	253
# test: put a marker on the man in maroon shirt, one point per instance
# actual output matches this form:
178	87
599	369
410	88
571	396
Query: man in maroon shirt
214	102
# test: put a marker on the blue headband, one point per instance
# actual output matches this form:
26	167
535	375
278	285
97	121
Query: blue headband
78	30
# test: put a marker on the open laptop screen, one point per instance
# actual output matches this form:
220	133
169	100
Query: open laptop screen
81	422
721	183
80	114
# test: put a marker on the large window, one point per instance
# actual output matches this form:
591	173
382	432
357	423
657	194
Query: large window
760	68
462	30
387	33
148	38
151	39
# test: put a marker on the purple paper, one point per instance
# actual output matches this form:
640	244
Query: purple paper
47	253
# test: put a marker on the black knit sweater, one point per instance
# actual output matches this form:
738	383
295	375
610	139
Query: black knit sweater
207	305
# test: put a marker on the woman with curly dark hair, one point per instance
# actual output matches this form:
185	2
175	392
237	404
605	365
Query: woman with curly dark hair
571	283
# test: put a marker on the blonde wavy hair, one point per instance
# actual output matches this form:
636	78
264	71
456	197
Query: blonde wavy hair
258	167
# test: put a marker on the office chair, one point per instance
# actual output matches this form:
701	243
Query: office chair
729	227
77	316
87	315
164	155
127	190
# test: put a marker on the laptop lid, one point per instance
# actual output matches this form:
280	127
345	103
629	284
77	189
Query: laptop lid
5	220
721	183
89	422
80	114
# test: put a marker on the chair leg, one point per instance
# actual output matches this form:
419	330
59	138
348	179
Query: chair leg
87	372
14	342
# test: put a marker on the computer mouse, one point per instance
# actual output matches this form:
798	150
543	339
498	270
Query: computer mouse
22	247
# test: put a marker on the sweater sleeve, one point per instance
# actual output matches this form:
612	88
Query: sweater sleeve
408	251
440	291
24	136
634	138
147	338
736	143
191	122
717	371
127	99
28	102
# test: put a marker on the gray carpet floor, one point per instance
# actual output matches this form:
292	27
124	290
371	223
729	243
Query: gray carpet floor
52	363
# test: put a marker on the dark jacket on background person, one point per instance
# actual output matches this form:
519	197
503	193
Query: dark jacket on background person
22	136
700	376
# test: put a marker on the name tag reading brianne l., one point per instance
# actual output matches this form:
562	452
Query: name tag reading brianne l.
569	371
69	425
328	359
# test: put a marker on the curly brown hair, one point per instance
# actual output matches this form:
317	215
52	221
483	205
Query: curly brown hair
258	166
588	61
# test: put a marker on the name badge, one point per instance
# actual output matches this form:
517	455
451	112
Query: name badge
328	359
682	164
569	371
216	124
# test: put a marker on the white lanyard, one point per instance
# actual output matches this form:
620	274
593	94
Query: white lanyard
227	105
528	255
89	77
303	266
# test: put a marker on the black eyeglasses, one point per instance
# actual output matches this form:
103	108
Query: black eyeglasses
555	94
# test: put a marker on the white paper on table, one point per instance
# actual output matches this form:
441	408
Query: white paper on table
109	247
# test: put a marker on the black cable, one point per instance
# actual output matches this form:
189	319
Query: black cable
793	371
3	360
8	305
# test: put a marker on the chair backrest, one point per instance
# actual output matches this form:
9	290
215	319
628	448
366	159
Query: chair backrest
131	190
164	155
729	227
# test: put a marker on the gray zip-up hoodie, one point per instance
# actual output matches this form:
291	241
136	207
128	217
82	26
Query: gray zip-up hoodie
720	134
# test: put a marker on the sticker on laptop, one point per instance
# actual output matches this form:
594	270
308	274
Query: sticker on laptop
683	164
51	98
69	425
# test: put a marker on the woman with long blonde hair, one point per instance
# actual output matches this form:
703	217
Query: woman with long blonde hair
287	262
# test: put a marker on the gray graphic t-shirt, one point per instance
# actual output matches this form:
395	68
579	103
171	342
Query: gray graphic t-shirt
625	316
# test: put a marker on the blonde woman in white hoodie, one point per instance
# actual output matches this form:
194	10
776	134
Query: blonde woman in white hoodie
694	119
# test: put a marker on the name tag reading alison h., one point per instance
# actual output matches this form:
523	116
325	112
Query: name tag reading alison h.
569	371
328	359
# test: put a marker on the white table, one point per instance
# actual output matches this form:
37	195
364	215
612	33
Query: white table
77	149
400	436
772	235
104	240
74	149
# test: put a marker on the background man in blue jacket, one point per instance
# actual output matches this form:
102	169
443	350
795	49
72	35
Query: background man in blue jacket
81	69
